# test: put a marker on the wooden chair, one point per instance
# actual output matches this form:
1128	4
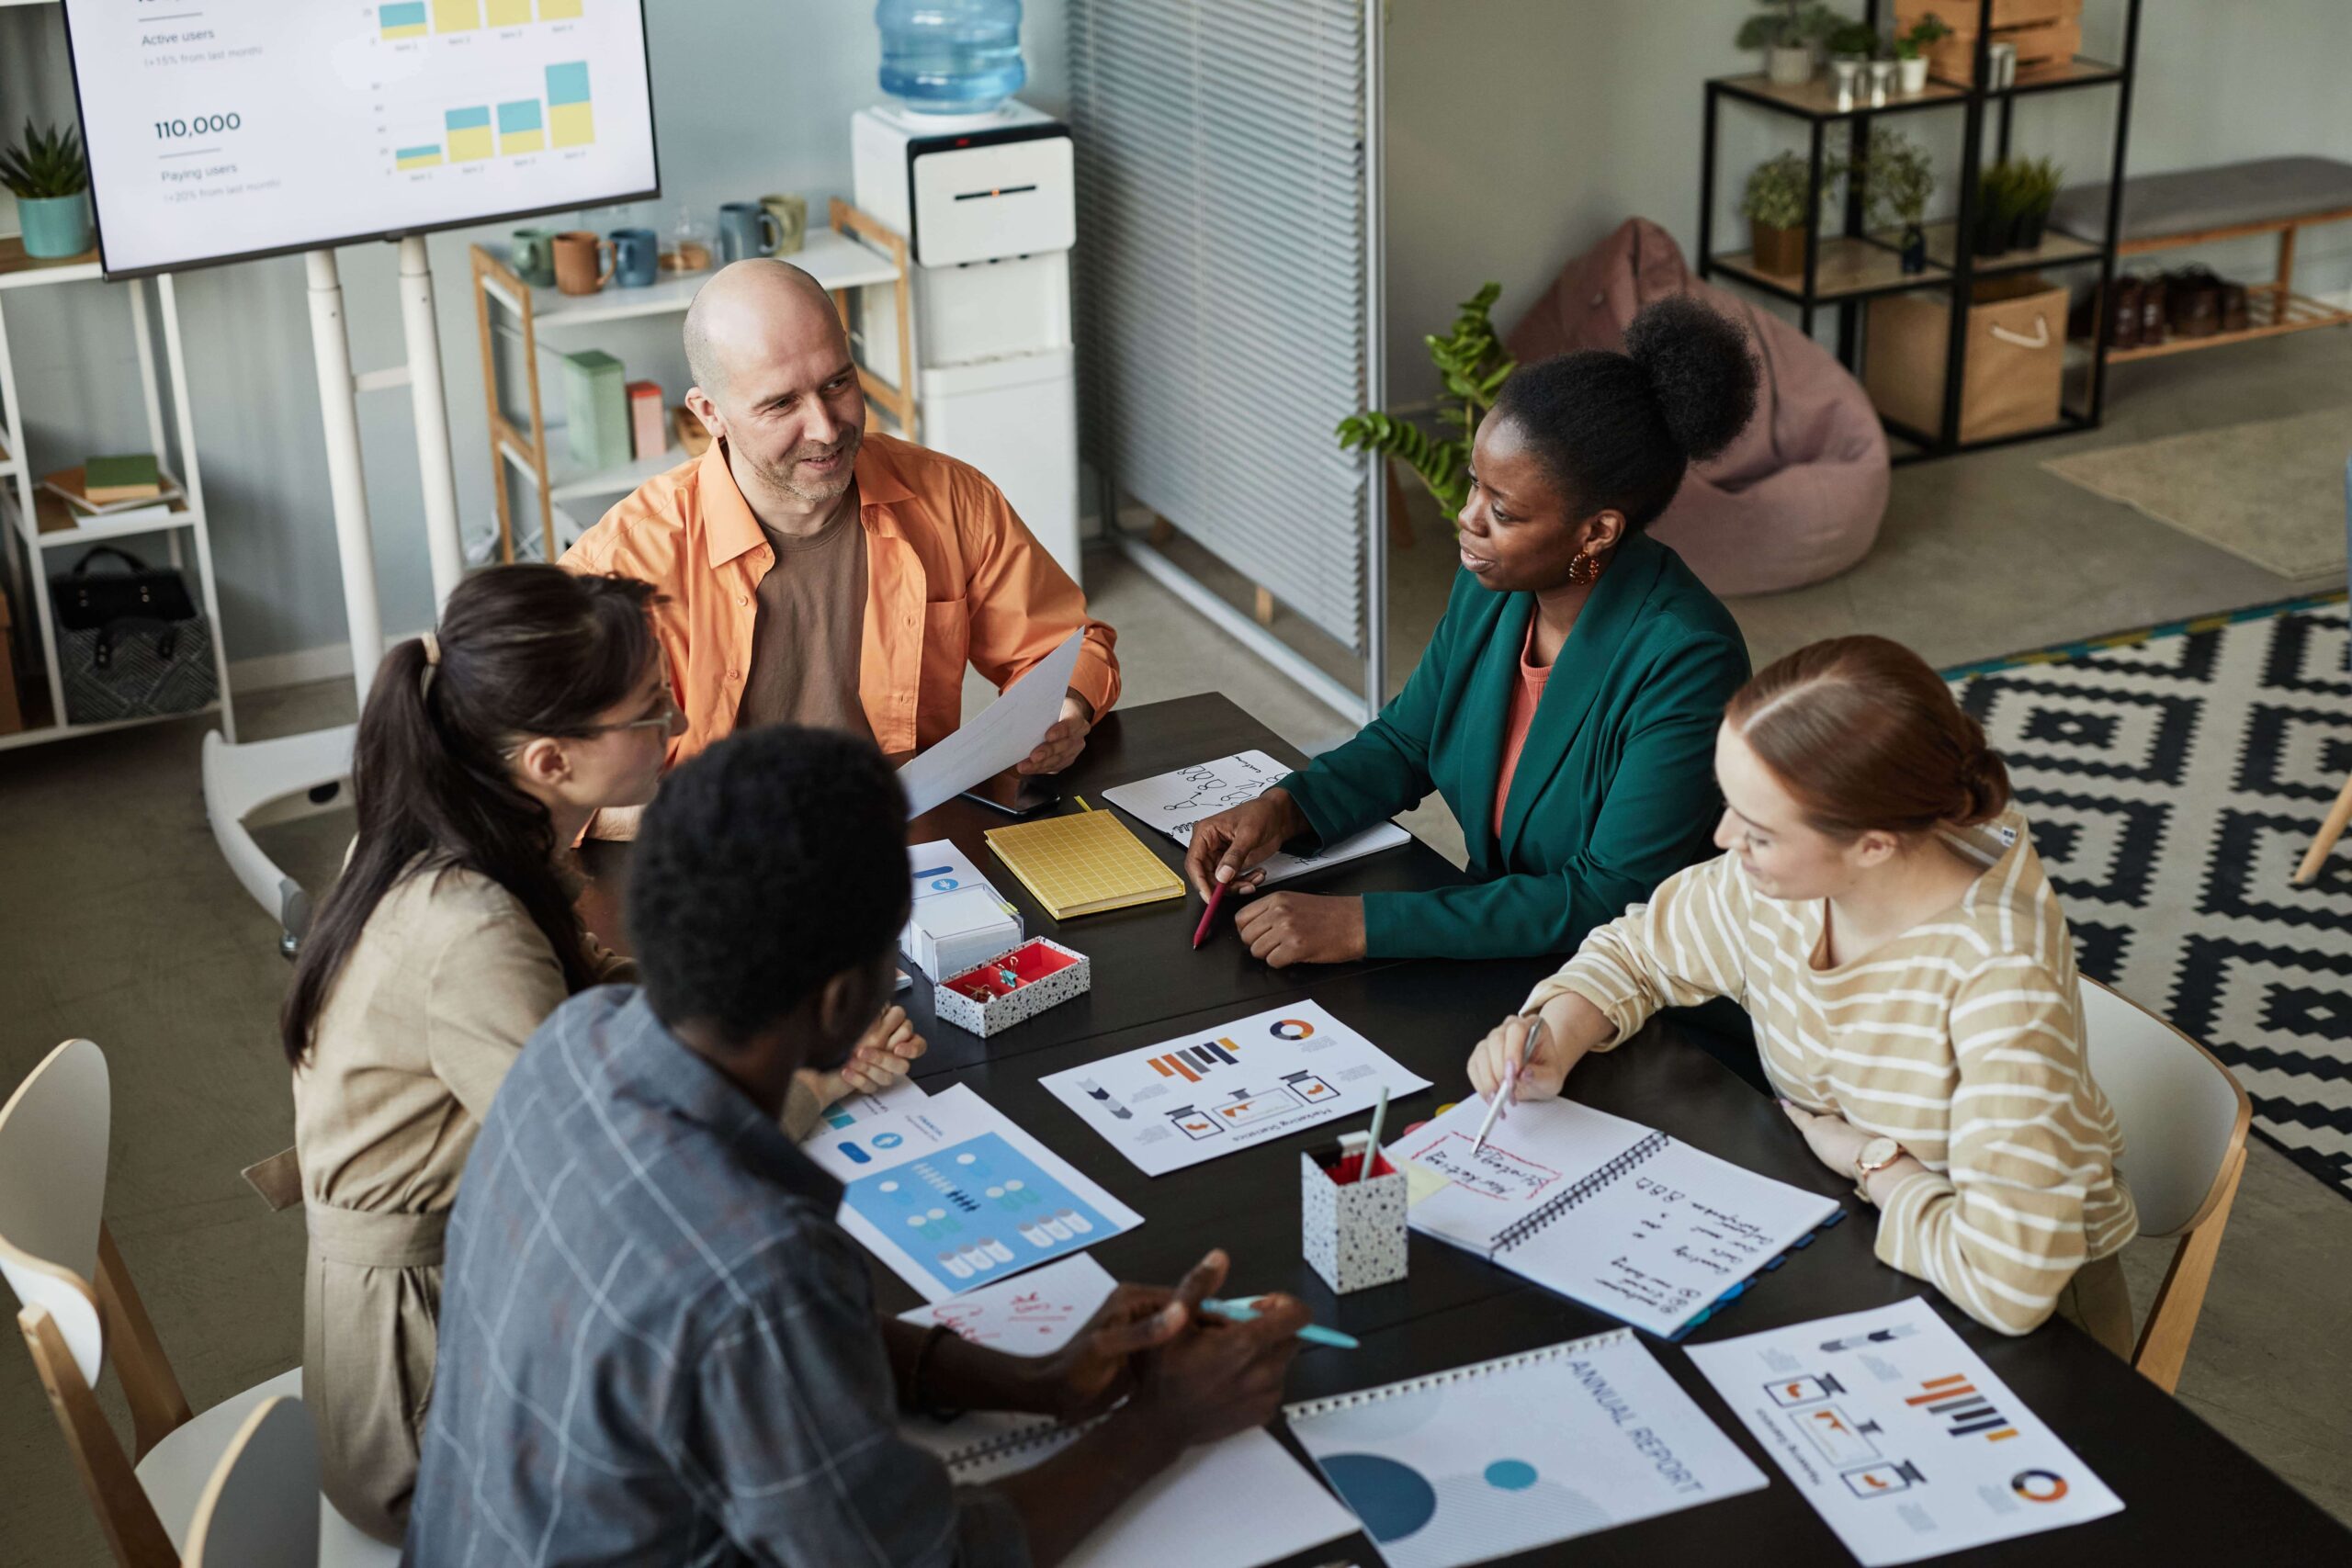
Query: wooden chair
80	1309
2185	1122
260	1510
2339	816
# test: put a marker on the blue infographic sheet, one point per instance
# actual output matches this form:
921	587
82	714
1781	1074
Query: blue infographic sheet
952	1195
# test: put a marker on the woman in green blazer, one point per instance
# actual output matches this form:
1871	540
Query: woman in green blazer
1578	658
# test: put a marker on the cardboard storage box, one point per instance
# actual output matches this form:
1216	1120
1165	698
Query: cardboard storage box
2017	357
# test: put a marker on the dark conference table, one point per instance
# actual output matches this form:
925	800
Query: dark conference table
2189	1494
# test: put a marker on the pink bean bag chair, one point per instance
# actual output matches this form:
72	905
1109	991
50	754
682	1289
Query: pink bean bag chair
1799	495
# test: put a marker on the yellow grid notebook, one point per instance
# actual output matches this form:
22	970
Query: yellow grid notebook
1083	862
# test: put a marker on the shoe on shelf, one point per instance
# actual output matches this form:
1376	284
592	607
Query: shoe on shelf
2193	302
2236	317
2152	311
2123	317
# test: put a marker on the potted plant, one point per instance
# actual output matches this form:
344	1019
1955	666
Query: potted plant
1851	48
1471	363
1911	50
1778	207
1997	208
2033	194
1898	178
1787	31
46	173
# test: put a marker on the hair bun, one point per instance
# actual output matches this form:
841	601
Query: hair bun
1984	786
1700	370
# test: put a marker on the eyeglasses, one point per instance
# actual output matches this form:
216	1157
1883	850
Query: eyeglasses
662	718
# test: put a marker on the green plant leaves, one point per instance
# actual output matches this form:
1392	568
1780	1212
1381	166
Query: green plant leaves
44	165
1472	365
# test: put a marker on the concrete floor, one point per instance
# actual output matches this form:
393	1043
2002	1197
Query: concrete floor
121	923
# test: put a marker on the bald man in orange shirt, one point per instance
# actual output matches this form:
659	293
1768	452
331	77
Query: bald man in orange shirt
814	573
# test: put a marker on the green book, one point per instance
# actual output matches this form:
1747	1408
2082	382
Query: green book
596	408
127	477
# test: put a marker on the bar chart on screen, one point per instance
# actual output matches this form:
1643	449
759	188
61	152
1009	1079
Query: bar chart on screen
275	124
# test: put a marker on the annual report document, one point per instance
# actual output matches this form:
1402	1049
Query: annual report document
1899	1434
1619	1216
1175	803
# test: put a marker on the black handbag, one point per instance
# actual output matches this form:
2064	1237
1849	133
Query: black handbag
129	643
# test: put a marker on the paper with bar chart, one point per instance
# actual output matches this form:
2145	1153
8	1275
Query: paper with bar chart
1900	1436
1182	1101
953	1195
218	130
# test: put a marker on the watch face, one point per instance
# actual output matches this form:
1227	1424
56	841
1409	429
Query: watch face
1876	1153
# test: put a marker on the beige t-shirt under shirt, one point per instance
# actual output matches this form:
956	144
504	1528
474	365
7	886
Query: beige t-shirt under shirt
810	627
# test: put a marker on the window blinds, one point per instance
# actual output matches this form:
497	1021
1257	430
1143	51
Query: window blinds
1227	286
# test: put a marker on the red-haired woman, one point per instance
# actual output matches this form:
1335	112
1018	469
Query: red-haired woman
1880	913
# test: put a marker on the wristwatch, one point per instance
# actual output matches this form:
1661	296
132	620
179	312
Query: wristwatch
1871	1158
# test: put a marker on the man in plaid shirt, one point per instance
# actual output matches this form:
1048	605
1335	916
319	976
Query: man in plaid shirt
656	1344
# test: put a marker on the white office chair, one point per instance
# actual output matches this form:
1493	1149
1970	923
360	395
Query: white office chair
80	1307
2184	1120
260	1510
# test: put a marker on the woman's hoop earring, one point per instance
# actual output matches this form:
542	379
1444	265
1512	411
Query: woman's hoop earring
1585	569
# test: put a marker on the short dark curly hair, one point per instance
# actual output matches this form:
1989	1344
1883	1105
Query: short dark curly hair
1618	431
768	864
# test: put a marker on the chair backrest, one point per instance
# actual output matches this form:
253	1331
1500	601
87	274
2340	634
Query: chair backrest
261	1508
2182	1112
53	1134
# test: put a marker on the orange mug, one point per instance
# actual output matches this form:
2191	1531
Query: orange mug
577	254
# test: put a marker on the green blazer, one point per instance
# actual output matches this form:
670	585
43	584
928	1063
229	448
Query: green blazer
1615	788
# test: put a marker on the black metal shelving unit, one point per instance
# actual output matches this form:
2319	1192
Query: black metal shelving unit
1855	265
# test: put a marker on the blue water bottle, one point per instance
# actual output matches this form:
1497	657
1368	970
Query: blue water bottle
950	56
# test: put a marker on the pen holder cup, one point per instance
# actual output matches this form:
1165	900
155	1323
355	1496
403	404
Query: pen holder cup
1352	1232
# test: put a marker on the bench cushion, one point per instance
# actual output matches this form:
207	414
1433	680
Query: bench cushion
2189	199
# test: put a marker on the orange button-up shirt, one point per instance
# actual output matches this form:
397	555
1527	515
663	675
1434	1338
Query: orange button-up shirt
953	577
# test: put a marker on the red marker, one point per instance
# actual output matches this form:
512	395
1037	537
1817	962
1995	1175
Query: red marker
1201	931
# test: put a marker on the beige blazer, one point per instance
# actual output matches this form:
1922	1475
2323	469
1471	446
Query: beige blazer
449	979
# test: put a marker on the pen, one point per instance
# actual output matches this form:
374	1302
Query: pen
1371	1138
1201	931
1314	1334
1495	1111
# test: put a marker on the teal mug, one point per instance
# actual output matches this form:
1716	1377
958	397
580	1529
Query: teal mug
534	254
637	256
746	228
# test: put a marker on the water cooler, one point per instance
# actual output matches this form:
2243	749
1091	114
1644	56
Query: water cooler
986	204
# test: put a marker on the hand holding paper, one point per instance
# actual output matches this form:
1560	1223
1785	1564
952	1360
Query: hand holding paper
995	738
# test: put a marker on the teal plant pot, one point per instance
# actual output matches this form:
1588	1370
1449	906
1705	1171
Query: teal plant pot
56	226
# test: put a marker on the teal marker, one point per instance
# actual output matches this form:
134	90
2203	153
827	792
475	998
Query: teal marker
1314	1334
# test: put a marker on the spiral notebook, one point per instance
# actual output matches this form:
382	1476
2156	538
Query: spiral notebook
1615	1214
1233	1504
1510	1455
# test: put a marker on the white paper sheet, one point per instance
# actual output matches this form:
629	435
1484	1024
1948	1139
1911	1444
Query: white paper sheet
1615	1214
1234	1504
904	1095
1181	1101
1900	1436
1175	803
1031	1314
999	735
952	1195
1513	1454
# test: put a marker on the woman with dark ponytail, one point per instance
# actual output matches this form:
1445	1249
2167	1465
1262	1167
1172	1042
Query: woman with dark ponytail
1880	913
447	940
1566	704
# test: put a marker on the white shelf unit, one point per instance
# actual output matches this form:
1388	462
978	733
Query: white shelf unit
28	549
856	252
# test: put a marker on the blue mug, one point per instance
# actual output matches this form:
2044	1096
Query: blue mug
636	257
746	228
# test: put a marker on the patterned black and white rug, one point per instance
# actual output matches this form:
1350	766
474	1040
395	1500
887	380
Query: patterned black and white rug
2174	778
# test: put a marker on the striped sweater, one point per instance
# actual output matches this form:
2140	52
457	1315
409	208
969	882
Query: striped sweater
1960	1039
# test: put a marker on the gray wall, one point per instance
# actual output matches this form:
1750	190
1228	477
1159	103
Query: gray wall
1520	131
750	95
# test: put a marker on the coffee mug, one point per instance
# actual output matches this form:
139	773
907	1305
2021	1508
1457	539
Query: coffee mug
791	215
637	256
746	228
533	256
576	261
